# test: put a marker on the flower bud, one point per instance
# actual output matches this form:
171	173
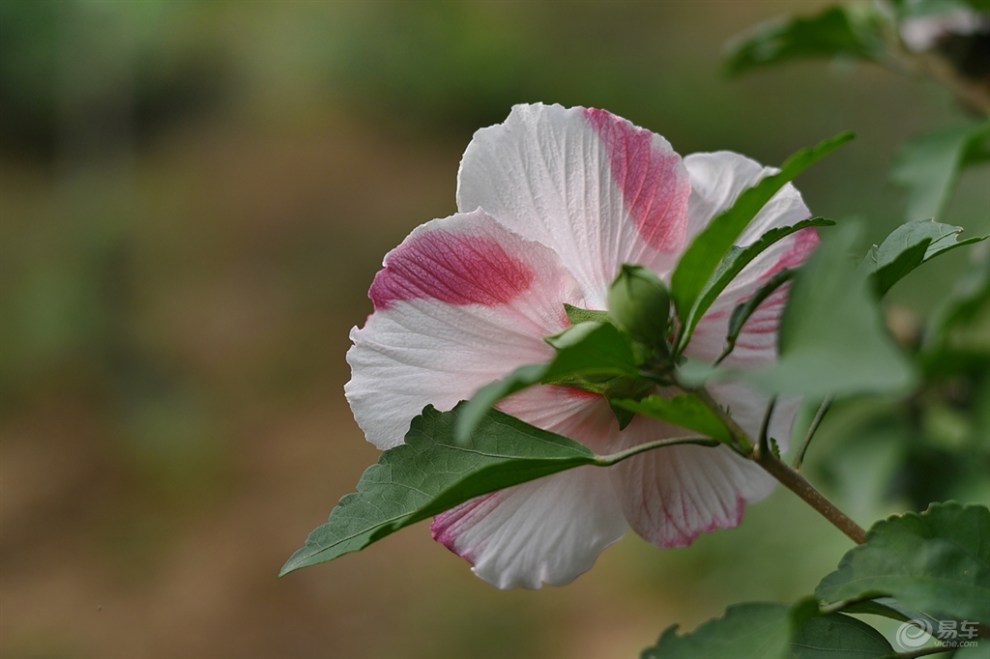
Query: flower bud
638	302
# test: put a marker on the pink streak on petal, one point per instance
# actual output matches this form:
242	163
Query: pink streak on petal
684	537
653	182
446	526
803	243
456	269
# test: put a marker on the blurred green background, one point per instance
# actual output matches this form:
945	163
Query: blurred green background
194	197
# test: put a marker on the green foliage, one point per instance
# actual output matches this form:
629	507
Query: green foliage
928	166
837	636
832	337
431	473
847	30
696	279
774	631
907	247
747	631
936	562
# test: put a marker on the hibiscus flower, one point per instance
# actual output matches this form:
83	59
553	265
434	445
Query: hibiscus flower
552	203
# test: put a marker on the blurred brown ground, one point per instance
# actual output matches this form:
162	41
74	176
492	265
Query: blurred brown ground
190	220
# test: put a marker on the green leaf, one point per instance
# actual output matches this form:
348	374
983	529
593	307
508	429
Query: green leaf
430	473
937	562
832	336
774	631
702	258
907	247
837	636
851	31
929	165
686	411
747	631
588	349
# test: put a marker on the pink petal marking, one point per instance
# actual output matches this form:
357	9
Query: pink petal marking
446	526
456	269
649	173
802	244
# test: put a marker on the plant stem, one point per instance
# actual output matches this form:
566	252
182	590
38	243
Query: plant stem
613	458
799	485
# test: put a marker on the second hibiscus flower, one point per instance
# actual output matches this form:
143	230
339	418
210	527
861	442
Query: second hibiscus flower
552	203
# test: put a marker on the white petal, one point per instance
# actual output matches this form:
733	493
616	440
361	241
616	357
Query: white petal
460	303
596	189
546	531
671	495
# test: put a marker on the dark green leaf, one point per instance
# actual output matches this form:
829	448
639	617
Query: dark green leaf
832	337
774	631
929	165
747	631
430	473
686	411
937	562
907	247
702	258
836	636
588	349
851	31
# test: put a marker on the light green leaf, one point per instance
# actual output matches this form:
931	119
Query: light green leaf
430	473
686	411
586	350
832	337
937	562
929	165
907	247
700	262
850	31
